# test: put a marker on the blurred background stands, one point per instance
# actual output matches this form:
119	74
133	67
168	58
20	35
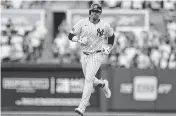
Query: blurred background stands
144	49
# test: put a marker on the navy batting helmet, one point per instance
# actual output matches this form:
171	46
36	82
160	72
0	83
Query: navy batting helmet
95	7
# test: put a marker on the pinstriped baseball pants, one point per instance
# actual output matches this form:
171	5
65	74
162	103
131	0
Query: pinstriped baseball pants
90	65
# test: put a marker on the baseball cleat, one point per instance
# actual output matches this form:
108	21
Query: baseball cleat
78	110
106	89
101	84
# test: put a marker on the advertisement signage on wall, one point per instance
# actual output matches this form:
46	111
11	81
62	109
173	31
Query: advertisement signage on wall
25	85
59	89
141	89
40	91
145	88
22	18
125	20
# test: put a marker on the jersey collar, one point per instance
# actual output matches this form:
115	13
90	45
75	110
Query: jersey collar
93	23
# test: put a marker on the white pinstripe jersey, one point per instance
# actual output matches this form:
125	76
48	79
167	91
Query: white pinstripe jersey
95	33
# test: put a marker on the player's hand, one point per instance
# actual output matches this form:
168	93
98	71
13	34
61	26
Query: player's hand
106	50
83	41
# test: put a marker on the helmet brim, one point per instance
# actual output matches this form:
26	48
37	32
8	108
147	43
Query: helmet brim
95	10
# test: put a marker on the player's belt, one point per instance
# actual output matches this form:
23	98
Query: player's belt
88	53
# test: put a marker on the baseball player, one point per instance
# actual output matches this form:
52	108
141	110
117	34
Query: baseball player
91	33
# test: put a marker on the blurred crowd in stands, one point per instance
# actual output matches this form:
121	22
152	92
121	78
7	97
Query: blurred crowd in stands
148	50
22	4
141	49
125	4
64	50
20	44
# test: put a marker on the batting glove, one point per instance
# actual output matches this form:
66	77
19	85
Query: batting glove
83	40
106	50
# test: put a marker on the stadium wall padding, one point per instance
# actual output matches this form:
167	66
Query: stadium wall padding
132	89
39	87
132	92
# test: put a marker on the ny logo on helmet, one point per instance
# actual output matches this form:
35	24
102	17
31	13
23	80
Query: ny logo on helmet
100	32
95	7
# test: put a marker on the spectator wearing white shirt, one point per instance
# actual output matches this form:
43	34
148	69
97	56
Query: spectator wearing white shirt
126	4
34	44
5	48
122	60
138	4
40	33
17	4
111	3
155	5
62	45
153	37
172	61
17	53
143	40
165	49
122	40
143	60
171	30
155	56
169	4
130	53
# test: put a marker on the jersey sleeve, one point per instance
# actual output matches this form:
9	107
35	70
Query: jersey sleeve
109	30
77	27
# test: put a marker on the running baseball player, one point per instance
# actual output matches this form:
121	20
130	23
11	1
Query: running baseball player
91	33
